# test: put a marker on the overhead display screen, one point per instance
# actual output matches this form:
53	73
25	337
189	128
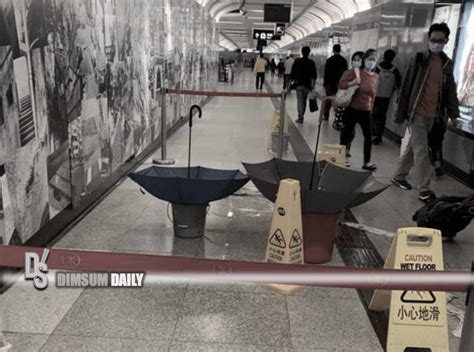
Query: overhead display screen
280	29
277	13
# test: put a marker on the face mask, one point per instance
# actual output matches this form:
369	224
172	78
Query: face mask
356	64
436	47
370	64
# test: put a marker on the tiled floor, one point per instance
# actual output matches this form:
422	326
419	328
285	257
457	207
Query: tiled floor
193	316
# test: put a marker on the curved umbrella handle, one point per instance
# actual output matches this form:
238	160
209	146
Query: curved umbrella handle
191	114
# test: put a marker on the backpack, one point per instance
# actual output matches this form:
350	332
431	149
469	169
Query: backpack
386	82
448	214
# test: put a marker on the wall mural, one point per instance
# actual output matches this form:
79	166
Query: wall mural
78	81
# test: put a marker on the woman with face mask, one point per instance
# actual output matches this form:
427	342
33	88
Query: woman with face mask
356	63
360	109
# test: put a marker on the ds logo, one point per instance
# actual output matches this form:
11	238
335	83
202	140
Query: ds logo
36	269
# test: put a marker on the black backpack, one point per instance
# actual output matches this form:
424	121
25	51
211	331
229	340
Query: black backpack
448	214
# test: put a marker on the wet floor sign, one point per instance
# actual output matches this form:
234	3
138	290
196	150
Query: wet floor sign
418	319
276	127
285	241
333	153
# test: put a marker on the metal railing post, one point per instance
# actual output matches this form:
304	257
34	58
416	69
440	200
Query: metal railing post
467	336
164	132
281	130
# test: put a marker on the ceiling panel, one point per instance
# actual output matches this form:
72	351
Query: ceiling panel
308	17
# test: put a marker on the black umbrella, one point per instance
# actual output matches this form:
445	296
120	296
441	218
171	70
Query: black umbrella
333	188
189	185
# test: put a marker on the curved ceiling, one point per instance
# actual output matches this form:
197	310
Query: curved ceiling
309	17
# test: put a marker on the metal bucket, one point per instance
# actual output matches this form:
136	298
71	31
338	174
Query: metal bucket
275	140
189	221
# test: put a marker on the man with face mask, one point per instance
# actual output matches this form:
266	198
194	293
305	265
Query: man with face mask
428	95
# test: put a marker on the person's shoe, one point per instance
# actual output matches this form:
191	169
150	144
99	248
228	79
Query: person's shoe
439	171
369	167
426	196
348	153
299	121
403	184
376	141
325	118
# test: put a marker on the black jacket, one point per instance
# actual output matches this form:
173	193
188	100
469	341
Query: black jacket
413	84
336	65
304	72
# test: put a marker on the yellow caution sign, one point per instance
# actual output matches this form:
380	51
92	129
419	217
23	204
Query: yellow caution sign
276	127
333	153
418	319
276	122
285	241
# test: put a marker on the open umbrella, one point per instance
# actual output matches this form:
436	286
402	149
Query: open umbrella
189	186
333	188
189	189
326	189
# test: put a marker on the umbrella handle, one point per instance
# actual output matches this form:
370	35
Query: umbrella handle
325	101
191	114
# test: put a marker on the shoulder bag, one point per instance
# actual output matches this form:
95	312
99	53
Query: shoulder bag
344	96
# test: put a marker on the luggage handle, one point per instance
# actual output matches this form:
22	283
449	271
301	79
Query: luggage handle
465	201
416	240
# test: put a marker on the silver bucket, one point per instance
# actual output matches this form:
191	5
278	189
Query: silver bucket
275	141
189	221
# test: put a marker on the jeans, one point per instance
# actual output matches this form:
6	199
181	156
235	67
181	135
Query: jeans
435	142
260	79
351	119
417	153
302	98
379	116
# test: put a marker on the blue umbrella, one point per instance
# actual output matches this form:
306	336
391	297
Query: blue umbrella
190	186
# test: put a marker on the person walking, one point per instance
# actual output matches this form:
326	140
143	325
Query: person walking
273	67
259	69
231	66
390	79
338	124
288	67
304	74
428	93
281	68
360	108
335	66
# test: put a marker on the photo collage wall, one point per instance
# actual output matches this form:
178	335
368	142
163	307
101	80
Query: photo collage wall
78	94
